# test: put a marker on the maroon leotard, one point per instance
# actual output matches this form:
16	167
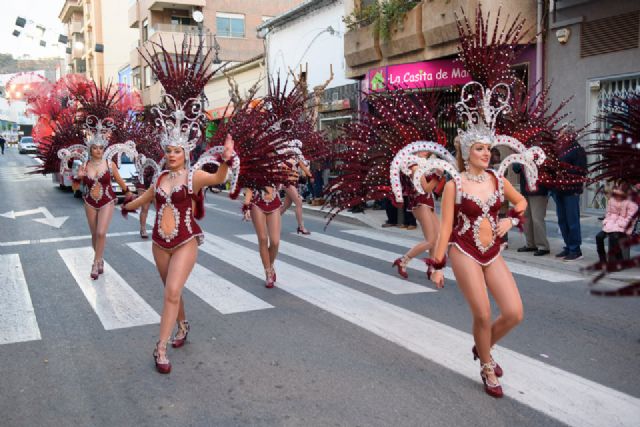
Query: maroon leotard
101	186
264	205
469	214
179	203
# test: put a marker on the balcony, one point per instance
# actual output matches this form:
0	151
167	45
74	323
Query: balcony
406	36
69	7
171	36
361	46
173	4
134	15
76	27
134	58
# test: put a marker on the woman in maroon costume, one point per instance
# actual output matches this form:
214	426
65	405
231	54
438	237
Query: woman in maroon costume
178	197
472	230
99	198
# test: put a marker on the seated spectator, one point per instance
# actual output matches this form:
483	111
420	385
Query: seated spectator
617	222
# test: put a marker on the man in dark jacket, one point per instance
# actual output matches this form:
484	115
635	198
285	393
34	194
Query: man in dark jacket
2	142
567	198
535	228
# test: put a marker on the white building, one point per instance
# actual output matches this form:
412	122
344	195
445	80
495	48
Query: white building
311	36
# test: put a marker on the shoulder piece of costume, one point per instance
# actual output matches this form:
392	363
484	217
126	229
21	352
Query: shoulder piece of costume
143	163
406	158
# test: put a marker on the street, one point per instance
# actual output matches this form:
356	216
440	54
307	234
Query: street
341	340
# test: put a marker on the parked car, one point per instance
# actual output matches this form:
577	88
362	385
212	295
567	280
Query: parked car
129	174
26	145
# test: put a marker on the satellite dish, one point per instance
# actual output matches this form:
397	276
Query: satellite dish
197	16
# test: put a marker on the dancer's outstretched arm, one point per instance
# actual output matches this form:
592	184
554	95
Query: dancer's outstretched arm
146	197
446	226
203	179
116	175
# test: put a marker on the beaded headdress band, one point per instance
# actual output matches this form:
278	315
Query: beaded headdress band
179	129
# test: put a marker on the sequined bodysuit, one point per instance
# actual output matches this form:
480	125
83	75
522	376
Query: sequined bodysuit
99	192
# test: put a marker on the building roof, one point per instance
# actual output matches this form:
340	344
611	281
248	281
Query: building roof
295	13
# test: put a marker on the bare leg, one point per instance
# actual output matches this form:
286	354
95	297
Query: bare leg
293	196
104	219
162	258
505	291
92	220
260	224
274	222
429	224
471	281
181	263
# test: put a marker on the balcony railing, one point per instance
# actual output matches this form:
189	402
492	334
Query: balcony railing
175	28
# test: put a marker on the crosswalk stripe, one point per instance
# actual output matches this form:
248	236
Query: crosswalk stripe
114	301
567	397
516	268
17	317
367	276
216	291
371	251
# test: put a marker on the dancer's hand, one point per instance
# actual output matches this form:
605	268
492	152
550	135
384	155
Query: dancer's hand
229	144
82	172
504	226
246	216
437	277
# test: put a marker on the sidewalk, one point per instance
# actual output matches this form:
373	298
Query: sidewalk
589	223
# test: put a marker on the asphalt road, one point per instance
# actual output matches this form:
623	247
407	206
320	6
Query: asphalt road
340	342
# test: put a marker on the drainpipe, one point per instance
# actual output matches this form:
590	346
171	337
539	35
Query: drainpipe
539	47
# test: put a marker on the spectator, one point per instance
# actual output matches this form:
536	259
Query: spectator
2	141
535	228
567	200
392	213
408	220
617	222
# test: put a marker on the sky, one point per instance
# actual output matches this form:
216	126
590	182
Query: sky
40	12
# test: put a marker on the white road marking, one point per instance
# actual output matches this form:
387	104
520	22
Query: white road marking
17	317
114	301
216	291
569	398
226	211
526	270
48	219
372	252
393	285
64	239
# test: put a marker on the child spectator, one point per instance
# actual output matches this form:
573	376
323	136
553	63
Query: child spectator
616	224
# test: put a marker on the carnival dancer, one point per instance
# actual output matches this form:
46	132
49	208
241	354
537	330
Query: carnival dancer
291	188
178	196
470	227
96	173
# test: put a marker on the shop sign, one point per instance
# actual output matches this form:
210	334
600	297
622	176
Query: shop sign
437	73
337	105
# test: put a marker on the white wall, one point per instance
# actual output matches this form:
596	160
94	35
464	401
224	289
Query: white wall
302	41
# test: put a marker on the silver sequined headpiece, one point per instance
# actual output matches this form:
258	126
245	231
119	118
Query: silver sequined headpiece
479	114
97	131
180	128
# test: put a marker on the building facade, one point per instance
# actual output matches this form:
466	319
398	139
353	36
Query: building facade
308	41
233	22
97	31
592	57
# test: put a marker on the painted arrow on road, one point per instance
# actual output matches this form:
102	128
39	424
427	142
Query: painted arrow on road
48	219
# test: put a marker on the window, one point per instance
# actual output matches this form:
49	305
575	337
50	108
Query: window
147	76
230	25
136	78
145	30
182	20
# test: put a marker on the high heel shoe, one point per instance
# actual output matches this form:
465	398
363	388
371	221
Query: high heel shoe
492	389
402	267
101	266
143	233
181	336
271	279
162	363
94	271
496	368
303	231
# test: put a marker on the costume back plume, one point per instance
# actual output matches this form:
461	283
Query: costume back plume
364	152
